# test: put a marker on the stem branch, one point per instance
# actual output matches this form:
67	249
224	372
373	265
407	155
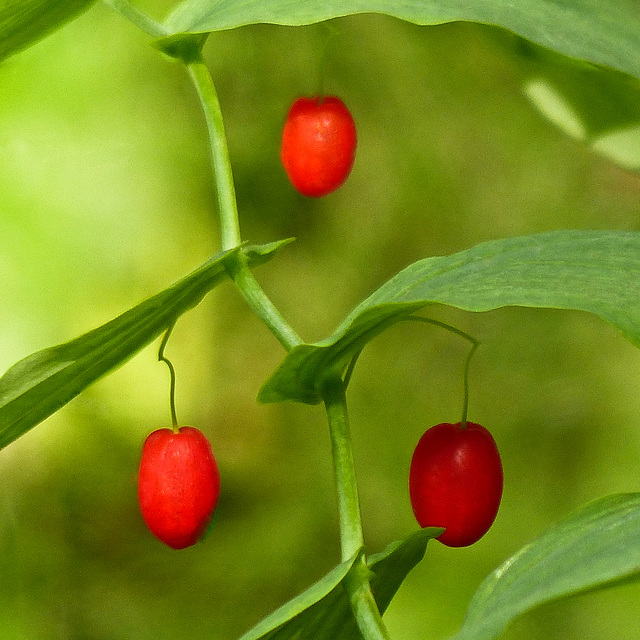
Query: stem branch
228	209
363	604
260	303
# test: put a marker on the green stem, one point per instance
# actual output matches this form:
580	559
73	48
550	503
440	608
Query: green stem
465	405
260	303
333	32
363	604
474	345
229	225
172	374
351	537
443	325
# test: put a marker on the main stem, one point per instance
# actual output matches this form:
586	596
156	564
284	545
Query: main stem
351	537
357	583
227	206
363	604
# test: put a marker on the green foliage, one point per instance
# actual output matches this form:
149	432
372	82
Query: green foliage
24	22
35	387
602	99
592	271
596	546
585	91
322	612
592	30
595	271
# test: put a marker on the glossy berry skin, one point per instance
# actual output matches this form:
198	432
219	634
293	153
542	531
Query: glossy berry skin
318	145
178	485
455	481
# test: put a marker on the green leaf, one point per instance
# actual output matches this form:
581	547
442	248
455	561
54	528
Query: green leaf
594	271
391	567
323	612
322	606
604	32
24	22
39	385
595	547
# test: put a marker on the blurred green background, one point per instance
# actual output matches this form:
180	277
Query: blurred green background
106	197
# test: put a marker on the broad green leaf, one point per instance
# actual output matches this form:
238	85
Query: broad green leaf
322	605
604	32
24	22
594	271
41	383
595	547
323	612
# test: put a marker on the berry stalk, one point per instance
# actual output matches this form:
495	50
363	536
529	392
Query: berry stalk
172	374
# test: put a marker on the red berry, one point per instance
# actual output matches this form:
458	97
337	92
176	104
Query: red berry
178	485
318	145
455	481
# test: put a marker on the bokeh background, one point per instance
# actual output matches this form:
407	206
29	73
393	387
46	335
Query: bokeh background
106	197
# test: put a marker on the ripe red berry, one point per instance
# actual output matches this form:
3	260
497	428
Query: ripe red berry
318	145
178	485
455	481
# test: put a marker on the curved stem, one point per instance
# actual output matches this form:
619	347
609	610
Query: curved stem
443	325
229	225
363	604
172	374
474	345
